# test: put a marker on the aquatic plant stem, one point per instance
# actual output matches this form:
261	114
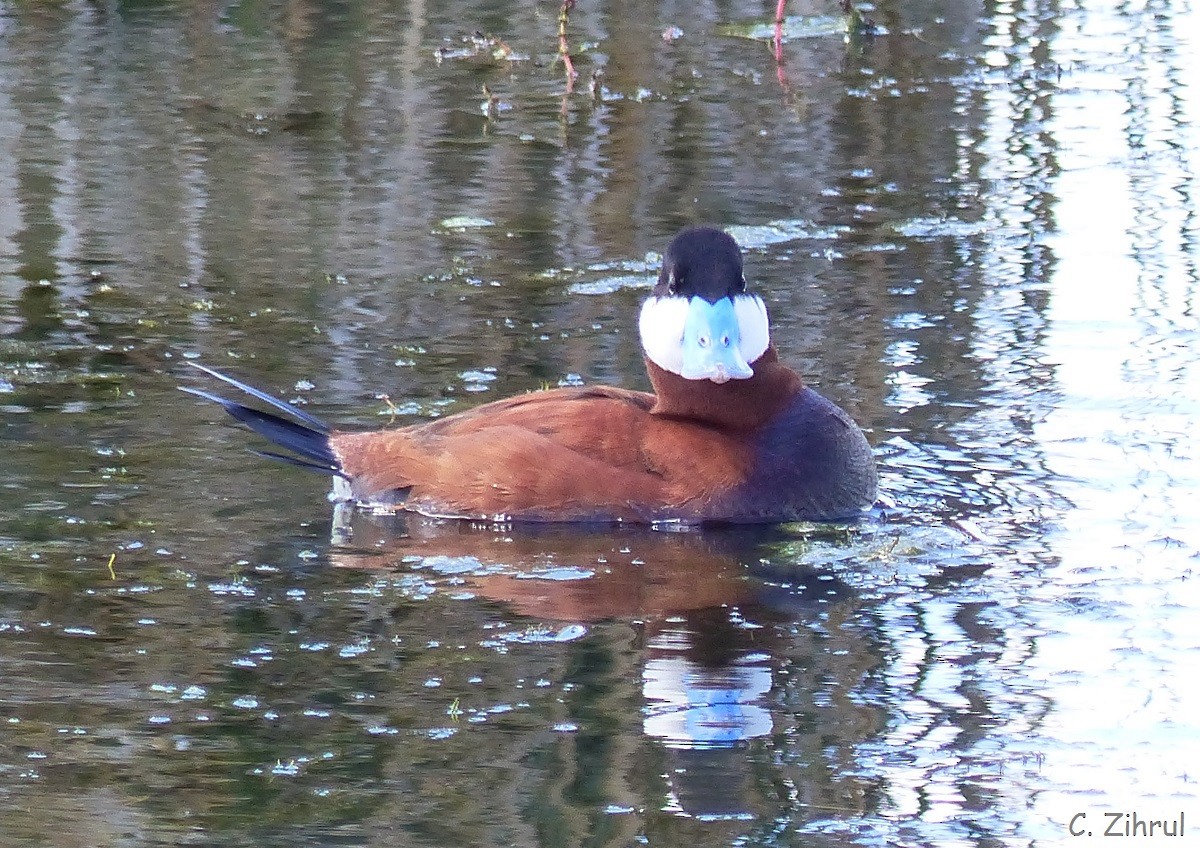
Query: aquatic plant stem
564	14
779	10
777	44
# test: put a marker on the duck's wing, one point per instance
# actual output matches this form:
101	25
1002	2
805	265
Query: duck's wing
562	455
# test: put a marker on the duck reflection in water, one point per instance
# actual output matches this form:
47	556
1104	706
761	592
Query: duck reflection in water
702	605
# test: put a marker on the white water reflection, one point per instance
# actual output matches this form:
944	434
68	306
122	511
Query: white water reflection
1119	615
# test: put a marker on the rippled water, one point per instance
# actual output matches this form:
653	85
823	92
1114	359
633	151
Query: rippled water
976	230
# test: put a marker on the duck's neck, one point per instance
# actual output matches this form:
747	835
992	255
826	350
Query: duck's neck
737	404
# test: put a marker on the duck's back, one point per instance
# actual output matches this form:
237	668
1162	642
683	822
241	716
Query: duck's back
587	454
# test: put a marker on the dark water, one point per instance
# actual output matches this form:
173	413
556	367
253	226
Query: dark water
976	230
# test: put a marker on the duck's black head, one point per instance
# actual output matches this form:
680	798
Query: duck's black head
700	322
701	262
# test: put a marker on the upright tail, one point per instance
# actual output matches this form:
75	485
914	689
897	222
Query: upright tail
304	435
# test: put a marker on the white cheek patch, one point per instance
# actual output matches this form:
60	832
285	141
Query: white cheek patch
660	325
663	320
752	322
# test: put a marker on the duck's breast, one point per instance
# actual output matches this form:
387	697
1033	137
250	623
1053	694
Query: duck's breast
811	462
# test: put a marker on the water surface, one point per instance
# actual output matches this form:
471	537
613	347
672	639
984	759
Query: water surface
975	230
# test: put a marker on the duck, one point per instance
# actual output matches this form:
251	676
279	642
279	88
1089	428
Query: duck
729	434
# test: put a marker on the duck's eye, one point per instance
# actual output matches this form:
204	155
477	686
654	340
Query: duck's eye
724	341
702	341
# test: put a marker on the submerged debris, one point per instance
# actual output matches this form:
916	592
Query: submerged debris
859	25
264	122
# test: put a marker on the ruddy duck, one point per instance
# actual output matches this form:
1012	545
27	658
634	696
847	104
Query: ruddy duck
730	434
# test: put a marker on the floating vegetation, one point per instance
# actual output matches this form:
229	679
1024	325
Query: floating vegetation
478	380
852	24
462	223
933	228
477	47
609	277
794	27
557	573
608	285
535	635
777	232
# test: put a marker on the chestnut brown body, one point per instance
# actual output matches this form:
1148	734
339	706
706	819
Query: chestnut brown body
758	450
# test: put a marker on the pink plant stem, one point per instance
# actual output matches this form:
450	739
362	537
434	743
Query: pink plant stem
779	9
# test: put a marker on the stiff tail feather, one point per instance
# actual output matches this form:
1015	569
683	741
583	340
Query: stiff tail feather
306	436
